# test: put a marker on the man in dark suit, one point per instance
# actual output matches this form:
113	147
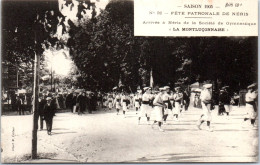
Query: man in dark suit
74	102
49	112
221	100
82	103
42	103
19	105
69	101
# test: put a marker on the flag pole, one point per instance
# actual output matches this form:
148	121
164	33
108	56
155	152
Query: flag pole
151	78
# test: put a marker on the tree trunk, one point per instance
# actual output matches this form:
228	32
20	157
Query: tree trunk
35	106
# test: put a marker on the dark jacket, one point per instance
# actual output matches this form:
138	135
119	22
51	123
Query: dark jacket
82	100
49	111
69	100
226	98
41	107
74	100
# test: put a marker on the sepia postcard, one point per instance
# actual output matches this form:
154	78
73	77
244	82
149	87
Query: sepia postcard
129	81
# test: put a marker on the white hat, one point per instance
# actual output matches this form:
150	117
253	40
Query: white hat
146	88
177	88
162	89
251	86
139	91
166	87
225	87
48	98
207	86
197	90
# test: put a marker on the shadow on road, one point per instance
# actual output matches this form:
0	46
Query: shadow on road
228	130
60	129
181	129
183	158
57	133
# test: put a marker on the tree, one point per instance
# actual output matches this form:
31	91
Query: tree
105	50
29	27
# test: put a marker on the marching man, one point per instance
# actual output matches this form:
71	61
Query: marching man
136	102
206	99
227	101
145	108
117	102
251	105
178	97
167	102
171	98
110	102
124	102
158	108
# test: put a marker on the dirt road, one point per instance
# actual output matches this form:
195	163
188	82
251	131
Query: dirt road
107	137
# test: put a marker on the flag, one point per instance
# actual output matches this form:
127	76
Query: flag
151	79
120	82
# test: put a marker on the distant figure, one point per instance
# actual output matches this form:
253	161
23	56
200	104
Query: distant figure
158	108
42	103
104	101
166	100
49	112
88	106
60	100
29	103
117	103
227	100
13	102
178	97
82	103
236	99
146	108
99	100
221	99
206	101
19	105
251	104
136	102
92	103
69	101
74	102
110	102
186	99
196	100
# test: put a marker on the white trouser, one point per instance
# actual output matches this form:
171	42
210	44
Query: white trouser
251	114
158	113
118	105
228	108
206	112
177	108
124	106
145	109
110	105
137	105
